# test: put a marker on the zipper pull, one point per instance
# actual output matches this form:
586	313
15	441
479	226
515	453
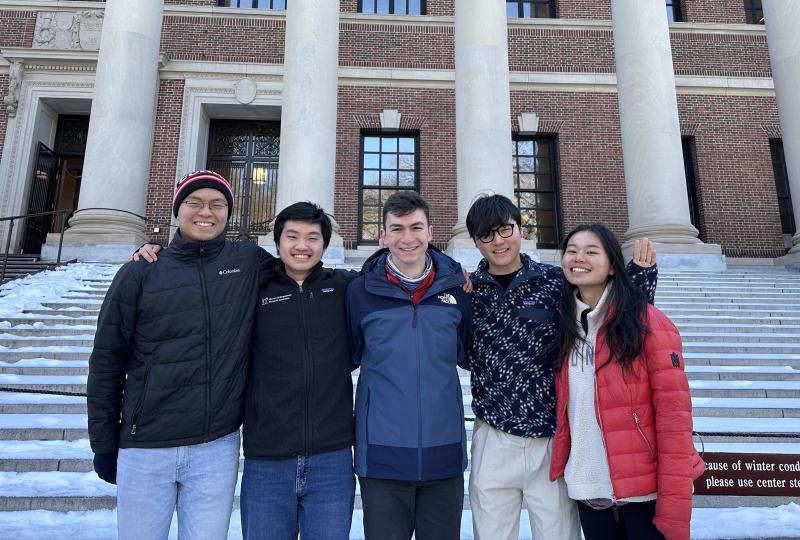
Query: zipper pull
133	429
636	418
615	509
414	320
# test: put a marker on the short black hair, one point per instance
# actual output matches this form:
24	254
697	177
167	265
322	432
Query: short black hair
489	212
403	203
304	211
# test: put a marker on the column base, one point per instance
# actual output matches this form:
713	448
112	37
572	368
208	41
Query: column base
464	251
698	256
115	248
790	260
333	256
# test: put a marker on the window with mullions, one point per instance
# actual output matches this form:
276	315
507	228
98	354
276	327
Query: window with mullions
392	7
257	4
753	12
389	163
782	187
536	189
538	9
674	11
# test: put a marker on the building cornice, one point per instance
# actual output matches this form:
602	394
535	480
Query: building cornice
403	20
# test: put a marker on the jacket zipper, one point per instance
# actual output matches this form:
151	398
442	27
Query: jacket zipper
140	404
644	437
306	372
614	504
419	392
207	317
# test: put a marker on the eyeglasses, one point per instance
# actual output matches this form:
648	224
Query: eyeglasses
197	204
505	231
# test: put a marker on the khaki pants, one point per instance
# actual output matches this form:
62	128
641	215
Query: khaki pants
507	469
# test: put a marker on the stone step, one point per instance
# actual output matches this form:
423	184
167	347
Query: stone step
54	341
76	313
690	318
745	389
735	408
55	330
11	355
740	359
43	456
792	301
739	337
742	348
64	368
87	306
66	383
89	291
714	314
727	289
742	373
737	328
44	321
721	308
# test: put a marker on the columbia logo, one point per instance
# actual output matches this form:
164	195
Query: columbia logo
229	271
447	298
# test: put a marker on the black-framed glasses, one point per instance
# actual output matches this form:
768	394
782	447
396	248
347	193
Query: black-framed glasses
505	231
197	204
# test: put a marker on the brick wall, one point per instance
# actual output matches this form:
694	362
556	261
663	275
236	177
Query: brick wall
435	109
16	28
720	55
735	181
163	173
223	39
583	9
713	11
560	50
395	45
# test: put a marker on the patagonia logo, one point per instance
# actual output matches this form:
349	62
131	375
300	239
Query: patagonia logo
528	302
267	300
229	271
327	290
676	360
447	298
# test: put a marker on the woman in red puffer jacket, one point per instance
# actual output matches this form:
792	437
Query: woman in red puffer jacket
624	436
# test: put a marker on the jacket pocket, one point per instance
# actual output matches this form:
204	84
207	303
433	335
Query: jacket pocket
646	441
140	404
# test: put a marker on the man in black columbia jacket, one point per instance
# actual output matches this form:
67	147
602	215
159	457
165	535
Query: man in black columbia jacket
167	374
298	425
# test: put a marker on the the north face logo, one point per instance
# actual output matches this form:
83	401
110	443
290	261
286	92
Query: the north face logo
676	360
447	298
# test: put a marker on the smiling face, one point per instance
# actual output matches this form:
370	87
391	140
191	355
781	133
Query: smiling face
586	265
407	238
197	218
300	248
502	254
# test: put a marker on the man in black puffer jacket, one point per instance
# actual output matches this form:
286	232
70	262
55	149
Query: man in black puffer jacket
298	425
167	374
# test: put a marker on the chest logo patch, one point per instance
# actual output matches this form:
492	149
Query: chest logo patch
267	300
327	290
229	271
447	298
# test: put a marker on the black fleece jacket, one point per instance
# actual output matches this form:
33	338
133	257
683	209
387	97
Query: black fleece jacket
299	390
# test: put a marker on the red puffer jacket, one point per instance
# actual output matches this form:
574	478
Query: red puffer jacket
646	419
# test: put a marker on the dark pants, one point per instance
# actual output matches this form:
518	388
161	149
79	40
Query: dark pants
634	521
396	509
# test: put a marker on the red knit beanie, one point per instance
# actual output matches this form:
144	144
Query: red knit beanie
198	180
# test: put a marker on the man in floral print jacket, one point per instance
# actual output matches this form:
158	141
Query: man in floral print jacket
515	313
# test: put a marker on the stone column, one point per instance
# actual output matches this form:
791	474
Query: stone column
118	149
657	199
483	112
307	167
782	18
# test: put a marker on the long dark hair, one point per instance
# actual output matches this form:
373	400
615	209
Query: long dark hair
625	326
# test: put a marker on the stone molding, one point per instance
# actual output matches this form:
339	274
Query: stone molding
372	122
77	30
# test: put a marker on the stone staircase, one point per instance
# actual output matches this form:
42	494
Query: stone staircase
741	332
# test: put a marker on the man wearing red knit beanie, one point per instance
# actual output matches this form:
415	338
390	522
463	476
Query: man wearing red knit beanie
167	374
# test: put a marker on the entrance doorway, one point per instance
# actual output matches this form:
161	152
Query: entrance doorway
246	153
56	180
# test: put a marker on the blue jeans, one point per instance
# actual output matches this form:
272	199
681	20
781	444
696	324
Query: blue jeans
312	495
200	479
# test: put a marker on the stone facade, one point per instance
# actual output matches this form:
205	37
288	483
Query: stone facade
562	70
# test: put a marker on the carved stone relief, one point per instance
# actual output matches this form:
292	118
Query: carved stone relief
14	82
68	30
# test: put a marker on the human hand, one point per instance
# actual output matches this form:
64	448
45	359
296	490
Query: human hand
644	254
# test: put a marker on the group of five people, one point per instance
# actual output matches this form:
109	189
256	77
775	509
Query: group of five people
578	386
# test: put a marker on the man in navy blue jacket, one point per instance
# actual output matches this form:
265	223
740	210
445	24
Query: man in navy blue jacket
409	327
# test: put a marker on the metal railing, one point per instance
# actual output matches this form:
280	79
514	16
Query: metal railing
65	213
